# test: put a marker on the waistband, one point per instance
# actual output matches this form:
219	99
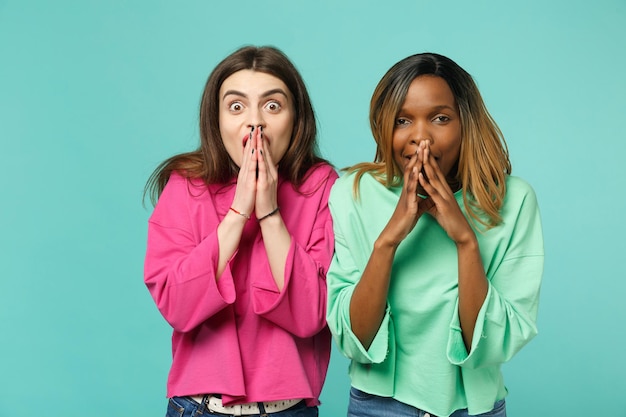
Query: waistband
214	404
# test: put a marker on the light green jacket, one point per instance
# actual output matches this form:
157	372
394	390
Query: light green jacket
418	356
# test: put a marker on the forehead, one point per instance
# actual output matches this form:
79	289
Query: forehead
252	83
429	90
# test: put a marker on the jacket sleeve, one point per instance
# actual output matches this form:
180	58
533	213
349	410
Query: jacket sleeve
343	276
507	319
301	307
179	268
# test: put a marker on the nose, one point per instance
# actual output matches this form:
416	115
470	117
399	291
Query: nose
420	133
255	118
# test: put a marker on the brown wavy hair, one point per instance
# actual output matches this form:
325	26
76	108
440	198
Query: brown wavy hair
484	159
210	162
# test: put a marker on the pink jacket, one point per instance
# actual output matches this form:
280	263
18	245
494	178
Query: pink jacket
238	335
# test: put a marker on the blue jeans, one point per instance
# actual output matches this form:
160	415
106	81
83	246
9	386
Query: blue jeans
186	407
363	404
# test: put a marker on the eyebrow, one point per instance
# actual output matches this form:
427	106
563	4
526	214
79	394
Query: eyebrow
434	109
445	107
265	94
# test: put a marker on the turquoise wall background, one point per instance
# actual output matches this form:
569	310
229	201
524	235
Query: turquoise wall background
94	94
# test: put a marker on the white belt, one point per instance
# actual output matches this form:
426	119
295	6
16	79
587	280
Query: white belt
215	405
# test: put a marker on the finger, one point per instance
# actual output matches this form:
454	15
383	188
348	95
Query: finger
413	162
263	148
420	157
257	133
429	177
245	189
245	160
435	177
410	175
425	182
253	156
262	164
267	156
410	184
435	170
247	170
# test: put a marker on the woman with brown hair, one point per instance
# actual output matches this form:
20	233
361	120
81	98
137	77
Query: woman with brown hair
238	247
438	251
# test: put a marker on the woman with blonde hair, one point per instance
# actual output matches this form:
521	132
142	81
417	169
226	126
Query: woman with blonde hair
438	251
238	247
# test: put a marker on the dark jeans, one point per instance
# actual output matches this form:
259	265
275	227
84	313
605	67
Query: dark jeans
363	404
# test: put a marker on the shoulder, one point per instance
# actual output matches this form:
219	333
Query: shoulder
175	186
367	192
321	172
346	179
367	184
172	200
178	183
179	190
343	187
320	177
520	198
518	188
517	183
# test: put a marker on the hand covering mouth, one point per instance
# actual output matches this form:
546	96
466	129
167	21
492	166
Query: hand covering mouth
246	139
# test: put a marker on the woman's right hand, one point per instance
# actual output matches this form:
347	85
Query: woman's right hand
369	299
410	206
245	191
231	227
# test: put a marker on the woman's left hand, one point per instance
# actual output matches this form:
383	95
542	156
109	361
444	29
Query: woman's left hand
444	208
267	180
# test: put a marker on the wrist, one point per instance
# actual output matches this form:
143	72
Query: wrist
468	243
384	244
238	215
270	214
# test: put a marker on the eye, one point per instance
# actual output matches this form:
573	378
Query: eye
441	119
401	121
235	107
273	106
